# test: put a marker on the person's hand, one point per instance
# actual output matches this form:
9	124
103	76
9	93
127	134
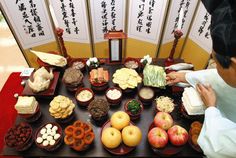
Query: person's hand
207	94
175	77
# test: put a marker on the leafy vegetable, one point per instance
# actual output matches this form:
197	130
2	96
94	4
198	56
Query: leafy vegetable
134	107
154	76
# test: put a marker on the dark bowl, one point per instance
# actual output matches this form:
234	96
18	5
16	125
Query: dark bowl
146	100
74	60
114	101
68	119
73	87
28	142
133	116
32	117
132	59
84	103
58	141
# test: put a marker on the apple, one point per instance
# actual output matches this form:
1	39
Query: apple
157	137
111	137
163	120
178	135
131	136
120	119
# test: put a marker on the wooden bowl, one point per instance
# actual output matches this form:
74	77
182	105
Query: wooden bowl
146	100
133	116
28	142
32	117
114	101
132	59
84	103
74	60
58	141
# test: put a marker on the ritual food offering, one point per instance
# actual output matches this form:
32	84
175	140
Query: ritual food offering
79	135
131	63
114	95
192	102
19	137
154	76
78	64
163	120
41	80
51	59
194	133
165	104
28	108
133	108
98	109
126	78
72	78
61	107
84	96
99	76
49	136
146	94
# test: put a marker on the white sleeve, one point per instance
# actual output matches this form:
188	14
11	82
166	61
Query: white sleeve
202	76
218	135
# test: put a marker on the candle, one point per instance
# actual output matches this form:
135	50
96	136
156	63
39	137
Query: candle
53	16
180	19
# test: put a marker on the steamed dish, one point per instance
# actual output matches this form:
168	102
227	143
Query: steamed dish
126	78
26	105
41	80
72	77
192	102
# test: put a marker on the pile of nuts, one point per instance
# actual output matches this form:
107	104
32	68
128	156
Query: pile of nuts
61	107
18	135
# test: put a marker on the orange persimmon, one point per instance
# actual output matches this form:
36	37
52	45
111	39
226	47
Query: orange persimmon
69	140
78	133
69	130
88	138
78	144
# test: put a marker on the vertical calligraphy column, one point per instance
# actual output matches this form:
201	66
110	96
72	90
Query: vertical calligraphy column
199	45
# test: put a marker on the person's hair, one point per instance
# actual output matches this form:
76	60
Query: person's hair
224	61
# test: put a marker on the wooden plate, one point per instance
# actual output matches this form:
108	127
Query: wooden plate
122	149
49	92
168	150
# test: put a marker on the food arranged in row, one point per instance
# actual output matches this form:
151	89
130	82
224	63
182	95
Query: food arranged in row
118	132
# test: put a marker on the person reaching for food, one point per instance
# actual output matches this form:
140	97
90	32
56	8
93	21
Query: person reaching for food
217	87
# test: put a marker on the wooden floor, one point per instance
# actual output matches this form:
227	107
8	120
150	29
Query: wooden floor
11	58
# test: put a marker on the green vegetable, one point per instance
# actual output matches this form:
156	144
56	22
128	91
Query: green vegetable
134	107
154	76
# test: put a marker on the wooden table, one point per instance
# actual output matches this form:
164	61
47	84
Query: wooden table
143	150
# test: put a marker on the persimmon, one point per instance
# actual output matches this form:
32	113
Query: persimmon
78	123
78	144
69	140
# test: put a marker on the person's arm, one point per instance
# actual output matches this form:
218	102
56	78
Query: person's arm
175	77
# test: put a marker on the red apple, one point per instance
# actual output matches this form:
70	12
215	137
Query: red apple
163	120
157	137
178	135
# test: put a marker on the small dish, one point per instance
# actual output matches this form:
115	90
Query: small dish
164	104
122	149
132	63
84	96
19	137
114	95
77	63
128	110
57	141
168	150
184	114
99	79
146	94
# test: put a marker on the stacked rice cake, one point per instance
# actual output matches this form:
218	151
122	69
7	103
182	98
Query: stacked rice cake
26	105
192	102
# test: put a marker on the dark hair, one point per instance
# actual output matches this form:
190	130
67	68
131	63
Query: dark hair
224	61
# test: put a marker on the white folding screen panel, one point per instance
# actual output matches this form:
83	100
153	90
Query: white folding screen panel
71	16
107	15
30	21
189	7
145	19
200	31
